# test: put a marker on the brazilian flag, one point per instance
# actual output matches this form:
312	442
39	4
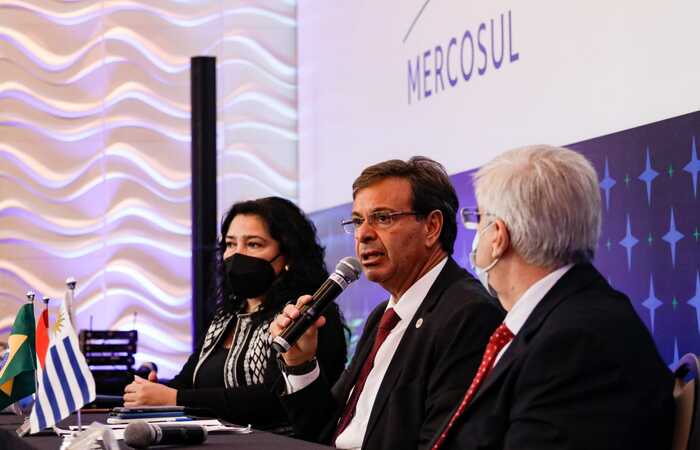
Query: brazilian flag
17	375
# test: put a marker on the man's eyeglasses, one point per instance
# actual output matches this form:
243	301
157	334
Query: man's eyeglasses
379	219
471	217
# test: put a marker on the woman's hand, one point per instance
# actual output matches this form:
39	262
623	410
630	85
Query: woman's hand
146	393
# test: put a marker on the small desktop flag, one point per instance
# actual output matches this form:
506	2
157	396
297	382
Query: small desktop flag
42	337
65	382
17	374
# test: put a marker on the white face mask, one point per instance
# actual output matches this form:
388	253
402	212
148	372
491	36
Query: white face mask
482	273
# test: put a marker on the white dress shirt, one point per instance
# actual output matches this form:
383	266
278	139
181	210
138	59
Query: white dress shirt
523	307
406	308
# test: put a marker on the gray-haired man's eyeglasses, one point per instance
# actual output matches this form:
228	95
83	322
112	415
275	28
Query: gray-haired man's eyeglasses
471	217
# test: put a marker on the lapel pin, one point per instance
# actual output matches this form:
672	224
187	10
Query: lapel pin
419	322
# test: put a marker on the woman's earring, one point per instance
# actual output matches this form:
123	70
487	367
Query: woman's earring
286	267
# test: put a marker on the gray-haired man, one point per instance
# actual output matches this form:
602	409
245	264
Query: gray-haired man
572	366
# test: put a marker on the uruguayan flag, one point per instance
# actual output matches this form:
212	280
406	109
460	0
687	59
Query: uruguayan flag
65	383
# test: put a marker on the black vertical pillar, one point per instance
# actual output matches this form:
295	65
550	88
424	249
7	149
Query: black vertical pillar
204	214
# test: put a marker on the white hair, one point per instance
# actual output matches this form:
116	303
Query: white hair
549	199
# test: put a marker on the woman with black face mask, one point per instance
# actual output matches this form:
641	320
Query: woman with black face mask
269	256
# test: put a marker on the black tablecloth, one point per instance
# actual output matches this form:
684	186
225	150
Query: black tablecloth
257	440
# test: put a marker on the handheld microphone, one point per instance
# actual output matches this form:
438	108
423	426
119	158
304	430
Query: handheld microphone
347	271
141	434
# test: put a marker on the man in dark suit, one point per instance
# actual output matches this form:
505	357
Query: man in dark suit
572	366
408	368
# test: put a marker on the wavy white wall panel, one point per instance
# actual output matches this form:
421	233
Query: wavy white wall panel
95	141
257	102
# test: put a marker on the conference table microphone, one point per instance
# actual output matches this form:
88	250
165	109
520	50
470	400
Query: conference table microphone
141	434
347	271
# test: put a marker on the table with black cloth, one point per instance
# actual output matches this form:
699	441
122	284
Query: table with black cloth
257	440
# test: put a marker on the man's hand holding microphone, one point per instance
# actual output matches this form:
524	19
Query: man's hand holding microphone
304	349
295	330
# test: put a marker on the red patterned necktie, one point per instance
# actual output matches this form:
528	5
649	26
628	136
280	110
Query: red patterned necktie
499	339
386	324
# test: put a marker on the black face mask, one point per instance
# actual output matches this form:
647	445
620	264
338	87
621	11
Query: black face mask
248	276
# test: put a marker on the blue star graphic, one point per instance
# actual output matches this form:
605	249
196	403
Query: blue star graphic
672	237
629	242
676	357
648	176
693	167
606	184
695	301
651	302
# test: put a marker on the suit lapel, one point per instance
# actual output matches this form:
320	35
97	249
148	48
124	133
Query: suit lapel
410	340
575	279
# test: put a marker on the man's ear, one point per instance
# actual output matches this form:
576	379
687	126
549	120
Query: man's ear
433	223
500	239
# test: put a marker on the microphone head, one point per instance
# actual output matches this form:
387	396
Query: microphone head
139	434
349	268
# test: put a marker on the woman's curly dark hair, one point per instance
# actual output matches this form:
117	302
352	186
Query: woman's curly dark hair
296	236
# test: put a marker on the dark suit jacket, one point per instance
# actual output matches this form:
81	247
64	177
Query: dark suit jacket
430	370
583	373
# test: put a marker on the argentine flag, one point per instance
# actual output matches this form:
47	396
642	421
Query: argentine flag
65	381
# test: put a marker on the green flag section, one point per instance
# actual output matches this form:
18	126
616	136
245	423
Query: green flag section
17	375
